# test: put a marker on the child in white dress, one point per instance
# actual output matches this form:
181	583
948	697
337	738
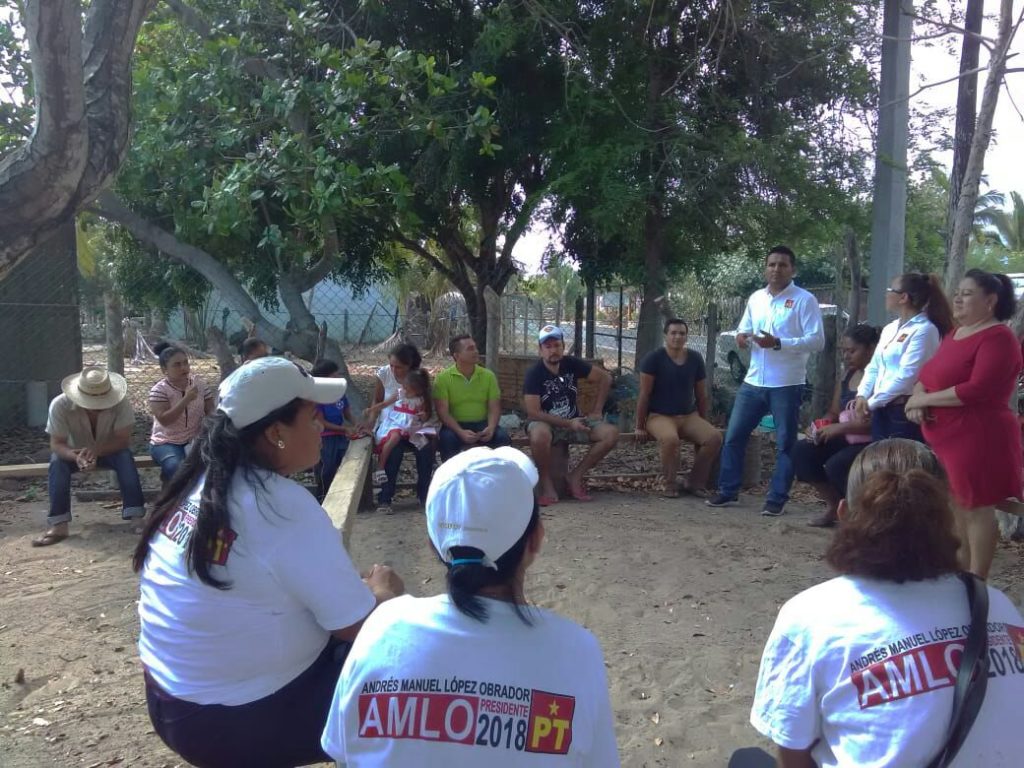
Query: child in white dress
406	415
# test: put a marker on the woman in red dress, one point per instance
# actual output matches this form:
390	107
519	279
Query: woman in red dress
962	402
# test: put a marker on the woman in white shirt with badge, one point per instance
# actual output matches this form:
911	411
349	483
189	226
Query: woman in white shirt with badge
475	677
862	670
247	593
906	344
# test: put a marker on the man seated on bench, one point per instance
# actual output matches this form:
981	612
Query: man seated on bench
467	402
550	390
673	406
90	425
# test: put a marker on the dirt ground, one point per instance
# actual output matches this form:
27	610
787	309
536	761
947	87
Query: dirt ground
682	598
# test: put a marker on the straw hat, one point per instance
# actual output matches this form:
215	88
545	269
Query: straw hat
95	388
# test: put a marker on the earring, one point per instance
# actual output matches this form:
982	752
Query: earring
280	444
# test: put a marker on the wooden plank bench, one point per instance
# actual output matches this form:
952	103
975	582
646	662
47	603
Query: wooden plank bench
41	470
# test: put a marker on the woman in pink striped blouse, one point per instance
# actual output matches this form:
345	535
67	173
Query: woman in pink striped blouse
178	402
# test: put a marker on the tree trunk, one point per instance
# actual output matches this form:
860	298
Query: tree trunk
963	223
853	258
648	329
115	331
81	75
966	111
222	351
301	343
158	323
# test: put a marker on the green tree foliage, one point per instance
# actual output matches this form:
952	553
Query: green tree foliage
470	204
251	140
697	129
1004	226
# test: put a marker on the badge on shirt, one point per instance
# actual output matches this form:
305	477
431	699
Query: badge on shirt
550	729
902	337
789	303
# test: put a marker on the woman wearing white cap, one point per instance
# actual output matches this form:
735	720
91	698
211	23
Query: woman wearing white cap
475	677
246	588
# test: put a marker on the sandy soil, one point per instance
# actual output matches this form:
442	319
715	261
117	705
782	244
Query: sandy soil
682	598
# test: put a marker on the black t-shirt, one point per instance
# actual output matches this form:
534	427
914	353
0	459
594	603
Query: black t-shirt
557	391
673	392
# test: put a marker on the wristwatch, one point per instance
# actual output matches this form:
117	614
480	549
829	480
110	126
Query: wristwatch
778	345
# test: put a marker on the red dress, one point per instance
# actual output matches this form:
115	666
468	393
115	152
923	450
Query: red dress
978	443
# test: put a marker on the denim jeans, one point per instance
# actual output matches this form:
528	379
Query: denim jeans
891	421
332	451
59	485
169	456
449	443
425	458
752	403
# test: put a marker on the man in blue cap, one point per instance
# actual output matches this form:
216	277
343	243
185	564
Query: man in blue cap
550	396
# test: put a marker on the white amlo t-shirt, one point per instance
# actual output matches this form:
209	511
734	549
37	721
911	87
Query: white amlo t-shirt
291	583
864	670
425	685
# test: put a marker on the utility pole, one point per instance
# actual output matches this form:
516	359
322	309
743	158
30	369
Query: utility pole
889	207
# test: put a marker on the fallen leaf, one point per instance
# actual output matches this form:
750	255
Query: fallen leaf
655	718
659	741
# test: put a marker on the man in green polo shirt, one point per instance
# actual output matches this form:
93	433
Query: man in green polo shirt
467	402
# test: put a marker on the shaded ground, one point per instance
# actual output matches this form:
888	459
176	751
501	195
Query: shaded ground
681	596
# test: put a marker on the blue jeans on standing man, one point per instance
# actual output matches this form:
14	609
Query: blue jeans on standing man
425	458
751	405
59	486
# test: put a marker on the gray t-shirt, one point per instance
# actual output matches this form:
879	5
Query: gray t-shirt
673	392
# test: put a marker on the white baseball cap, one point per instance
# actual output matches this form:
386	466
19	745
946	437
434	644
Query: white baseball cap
481	498
268	383
550	332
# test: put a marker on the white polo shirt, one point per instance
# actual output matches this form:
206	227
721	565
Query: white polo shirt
901	353
792	315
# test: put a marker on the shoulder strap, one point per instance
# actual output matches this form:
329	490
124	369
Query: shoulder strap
972	676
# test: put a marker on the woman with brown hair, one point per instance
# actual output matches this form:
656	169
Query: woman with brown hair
906	344
962	404
847	666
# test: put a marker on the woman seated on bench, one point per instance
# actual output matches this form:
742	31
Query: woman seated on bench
496	682
178	402
247	591
861	670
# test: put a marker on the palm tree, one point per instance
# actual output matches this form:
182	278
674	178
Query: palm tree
1005	226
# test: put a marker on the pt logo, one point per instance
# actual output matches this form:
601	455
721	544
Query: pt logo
550	729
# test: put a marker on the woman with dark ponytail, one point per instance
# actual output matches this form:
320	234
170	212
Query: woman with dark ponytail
497	683
246	589
178	402
963	405
906	344
860	670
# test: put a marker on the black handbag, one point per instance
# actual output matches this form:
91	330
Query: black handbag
972	676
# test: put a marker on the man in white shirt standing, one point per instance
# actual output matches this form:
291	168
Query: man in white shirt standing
782	323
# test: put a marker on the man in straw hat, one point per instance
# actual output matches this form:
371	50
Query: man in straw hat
90	424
